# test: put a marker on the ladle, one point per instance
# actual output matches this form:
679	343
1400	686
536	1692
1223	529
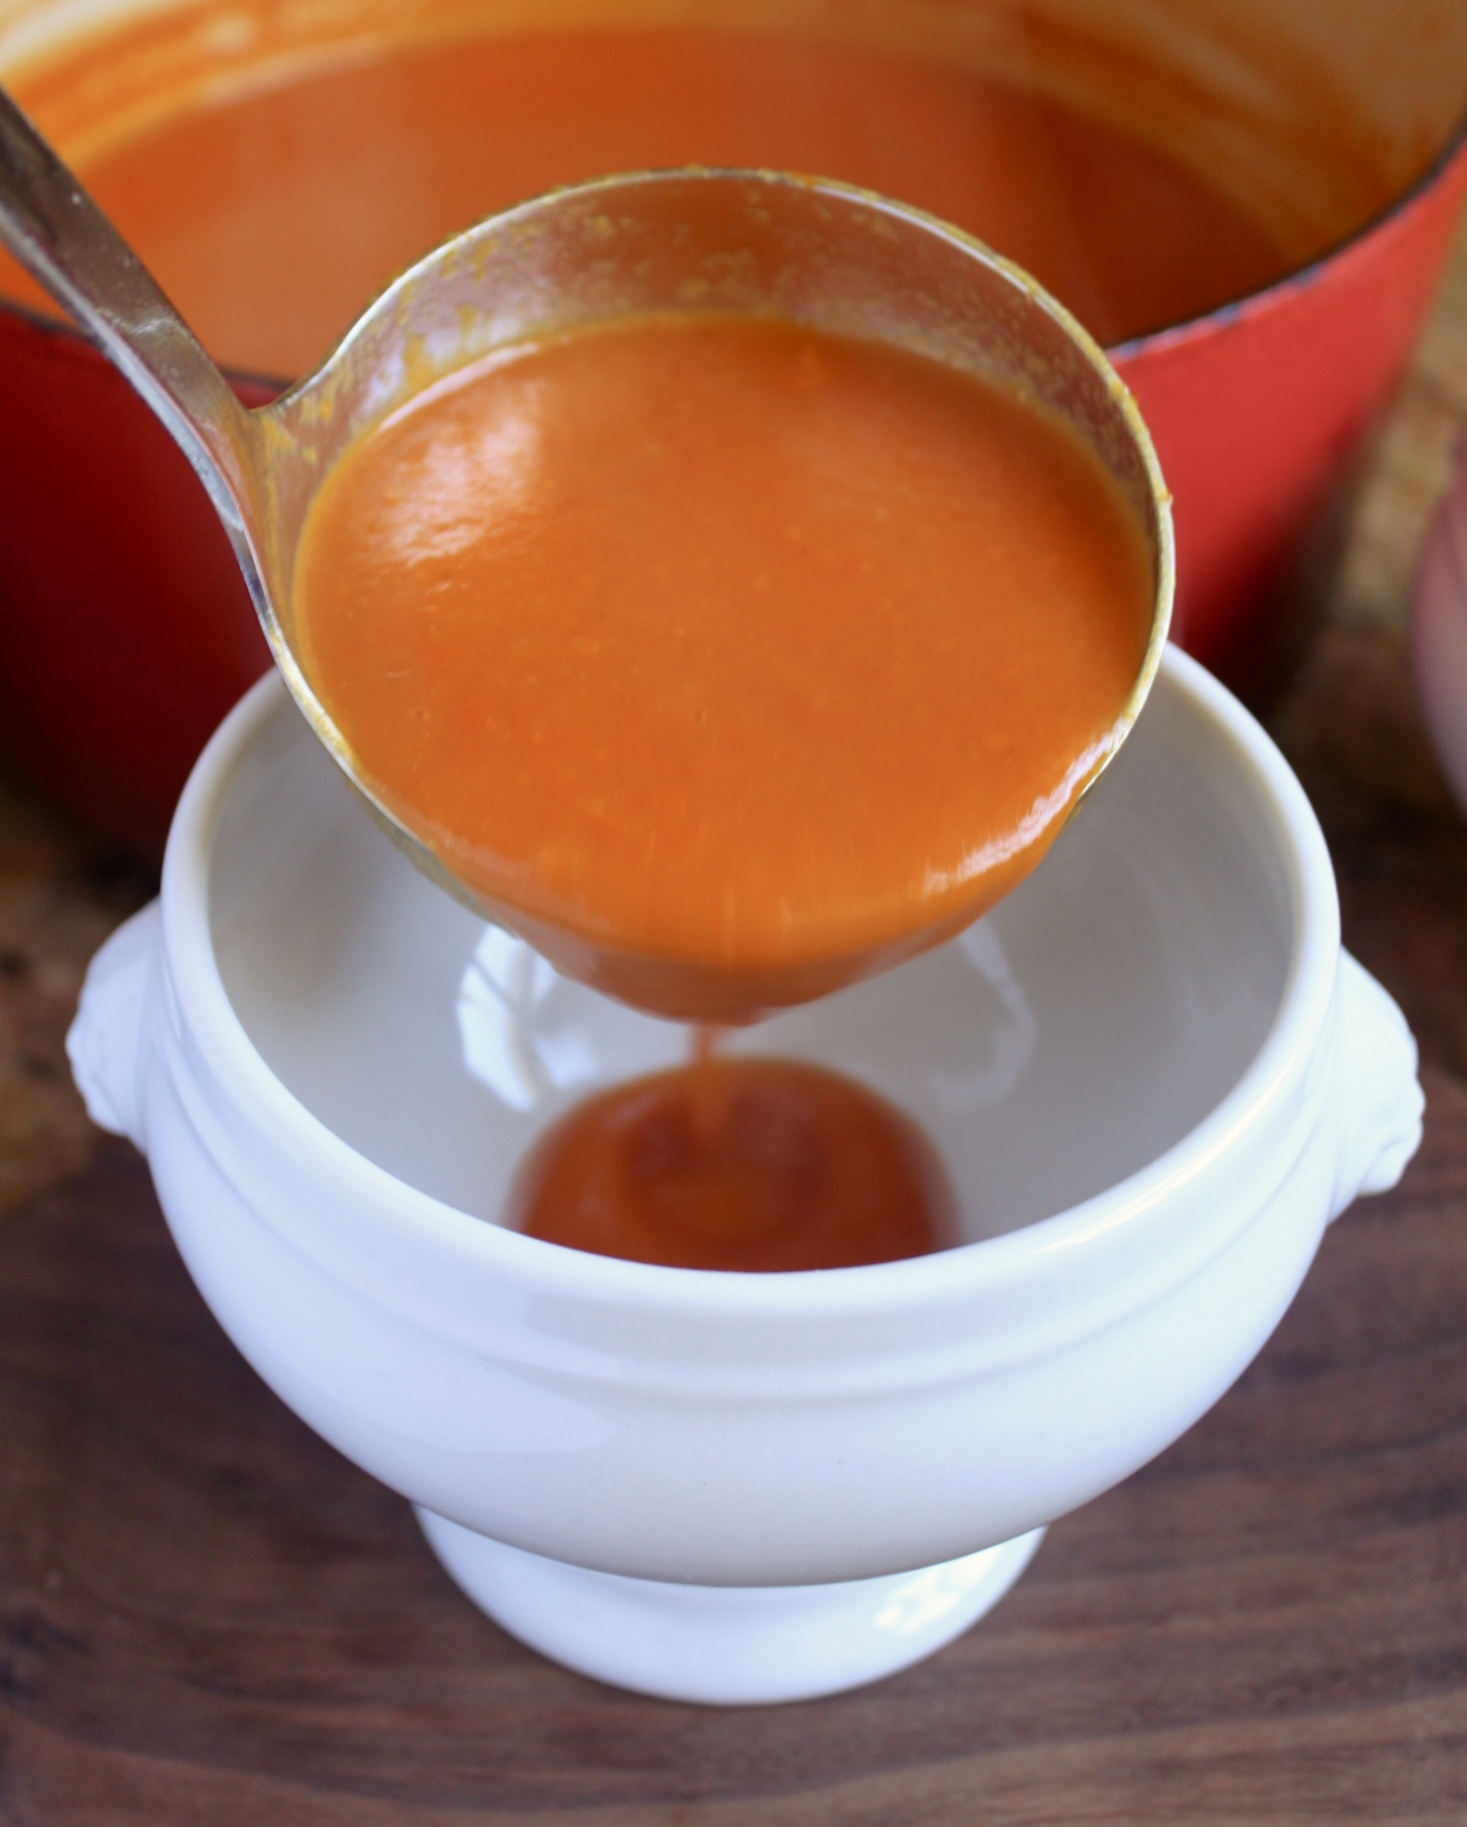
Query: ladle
808	250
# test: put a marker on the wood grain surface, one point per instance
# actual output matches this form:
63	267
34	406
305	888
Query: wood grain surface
207	1616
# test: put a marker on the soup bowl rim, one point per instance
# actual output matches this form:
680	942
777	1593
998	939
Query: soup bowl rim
206	1023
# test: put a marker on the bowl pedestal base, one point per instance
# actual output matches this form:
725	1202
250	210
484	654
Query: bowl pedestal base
725	1645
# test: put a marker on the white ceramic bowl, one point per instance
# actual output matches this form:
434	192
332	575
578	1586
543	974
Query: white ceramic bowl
1152	1072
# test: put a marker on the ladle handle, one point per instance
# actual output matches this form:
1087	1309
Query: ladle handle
55	230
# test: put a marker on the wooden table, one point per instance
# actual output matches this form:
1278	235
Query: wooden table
207	1616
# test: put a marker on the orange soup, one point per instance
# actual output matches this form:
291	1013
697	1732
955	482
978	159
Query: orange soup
274	190
724	644
751	1165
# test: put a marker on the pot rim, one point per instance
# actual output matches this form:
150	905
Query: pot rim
1131	349
207	1021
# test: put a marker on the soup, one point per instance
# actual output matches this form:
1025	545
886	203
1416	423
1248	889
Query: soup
750	1165
725	643
728	660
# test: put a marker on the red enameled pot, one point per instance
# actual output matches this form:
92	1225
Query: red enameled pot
1259	412
125	631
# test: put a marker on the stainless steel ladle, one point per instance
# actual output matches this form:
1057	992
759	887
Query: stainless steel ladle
812	251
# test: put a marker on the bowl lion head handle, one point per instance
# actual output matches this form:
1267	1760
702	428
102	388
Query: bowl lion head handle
105	1041
1380	1100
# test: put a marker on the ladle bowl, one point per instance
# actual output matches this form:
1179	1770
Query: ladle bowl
808	251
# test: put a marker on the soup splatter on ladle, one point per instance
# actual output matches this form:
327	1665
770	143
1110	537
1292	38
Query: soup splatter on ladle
701	251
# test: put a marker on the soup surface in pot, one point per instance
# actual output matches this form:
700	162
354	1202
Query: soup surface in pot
274	204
